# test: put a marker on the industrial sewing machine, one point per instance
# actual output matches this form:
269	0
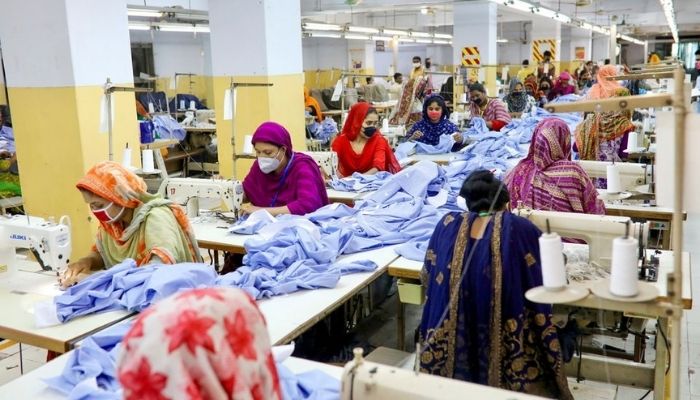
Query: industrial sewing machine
326	160
49	242
369	381
183	190
597	230
632	175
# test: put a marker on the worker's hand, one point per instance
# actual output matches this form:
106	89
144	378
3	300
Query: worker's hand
5	154
247	209
75	272
458	137
416	135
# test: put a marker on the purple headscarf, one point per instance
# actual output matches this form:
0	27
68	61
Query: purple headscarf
301	188
547	180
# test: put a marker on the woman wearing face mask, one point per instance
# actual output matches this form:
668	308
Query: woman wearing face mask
435	123
543	92
361	146
282	181
417	69
562	87
518	100
493	111
133	224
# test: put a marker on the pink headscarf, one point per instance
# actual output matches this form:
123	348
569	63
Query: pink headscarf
547	179
604	88
209	343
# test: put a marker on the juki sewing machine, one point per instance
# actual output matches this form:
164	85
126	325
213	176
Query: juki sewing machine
369	381
183	190
326	160
632	175
49	242
597	230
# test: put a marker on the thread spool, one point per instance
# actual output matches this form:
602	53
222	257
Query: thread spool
463	98
182	104
632	141
623	274
147	160
614	185
126	157
385	124
151	108
192	105
552	258
248	144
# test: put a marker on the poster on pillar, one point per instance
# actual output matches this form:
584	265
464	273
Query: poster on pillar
580	53
540	46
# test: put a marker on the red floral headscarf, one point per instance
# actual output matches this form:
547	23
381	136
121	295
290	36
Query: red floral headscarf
209	343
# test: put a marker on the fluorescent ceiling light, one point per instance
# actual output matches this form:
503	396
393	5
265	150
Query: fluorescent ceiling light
516	4
385	38
356	37
394	32
139	27
670	14
424	41
315	26
362	29
630	39
443	36
424	10
420	34
325	35
407	40
438	41
184	28
135	12
501	40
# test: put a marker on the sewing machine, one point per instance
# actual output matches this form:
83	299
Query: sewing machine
50	242
631	174
181	190
597	230
326	160
369	381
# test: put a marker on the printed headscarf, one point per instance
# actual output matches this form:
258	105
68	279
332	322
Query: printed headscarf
604	88
209	343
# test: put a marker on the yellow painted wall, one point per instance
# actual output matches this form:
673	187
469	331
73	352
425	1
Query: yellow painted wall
282	103
58	139
3	98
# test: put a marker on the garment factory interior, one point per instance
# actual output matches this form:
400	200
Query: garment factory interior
356	199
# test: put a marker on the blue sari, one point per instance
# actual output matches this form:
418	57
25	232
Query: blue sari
490	334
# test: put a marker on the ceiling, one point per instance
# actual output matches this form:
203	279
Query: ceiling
437	14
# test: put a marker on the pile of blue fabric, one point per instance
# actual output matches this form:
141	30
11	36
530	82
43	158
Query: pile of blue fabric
91	372
167	127
360	183
405	149
7	139
522	129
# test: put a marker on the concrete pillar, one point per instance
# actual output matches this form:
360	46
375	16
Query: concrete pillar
58	55
613	44
549	30
256	41
475	25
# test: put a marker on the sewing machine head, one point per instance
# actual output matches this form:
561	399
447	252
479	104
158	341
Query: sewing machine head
631	174
598	231
369	381
181	190
49	242
327	161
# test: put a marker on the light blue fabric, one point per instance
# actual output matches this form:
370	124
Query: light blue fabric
445	144
90	372
477	126
521	129
7	139
359	183
124	286
166	127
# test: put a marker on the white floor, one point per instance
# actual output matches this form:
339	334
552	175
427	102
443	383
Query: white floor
33	357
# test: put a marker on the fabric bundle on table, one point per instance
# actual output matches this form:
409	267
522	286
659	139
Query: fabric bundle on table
91	372
444	145
522	128
360	183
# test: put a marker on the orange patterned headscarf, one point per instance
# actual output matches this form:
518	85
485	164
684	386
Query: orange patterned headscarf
111	181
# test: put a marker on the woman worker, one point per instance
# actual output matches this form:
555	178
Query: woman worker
133	224
477	325
208	343
547	179
361	146
517	99
493	111
281	180
434	123
311	105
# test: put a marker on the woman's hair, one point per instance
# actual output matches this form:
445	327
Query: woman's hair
484	192
477	87
370	110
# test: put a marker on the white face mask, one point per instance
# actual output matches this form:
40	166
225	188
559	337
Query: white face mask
416	65
269	164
